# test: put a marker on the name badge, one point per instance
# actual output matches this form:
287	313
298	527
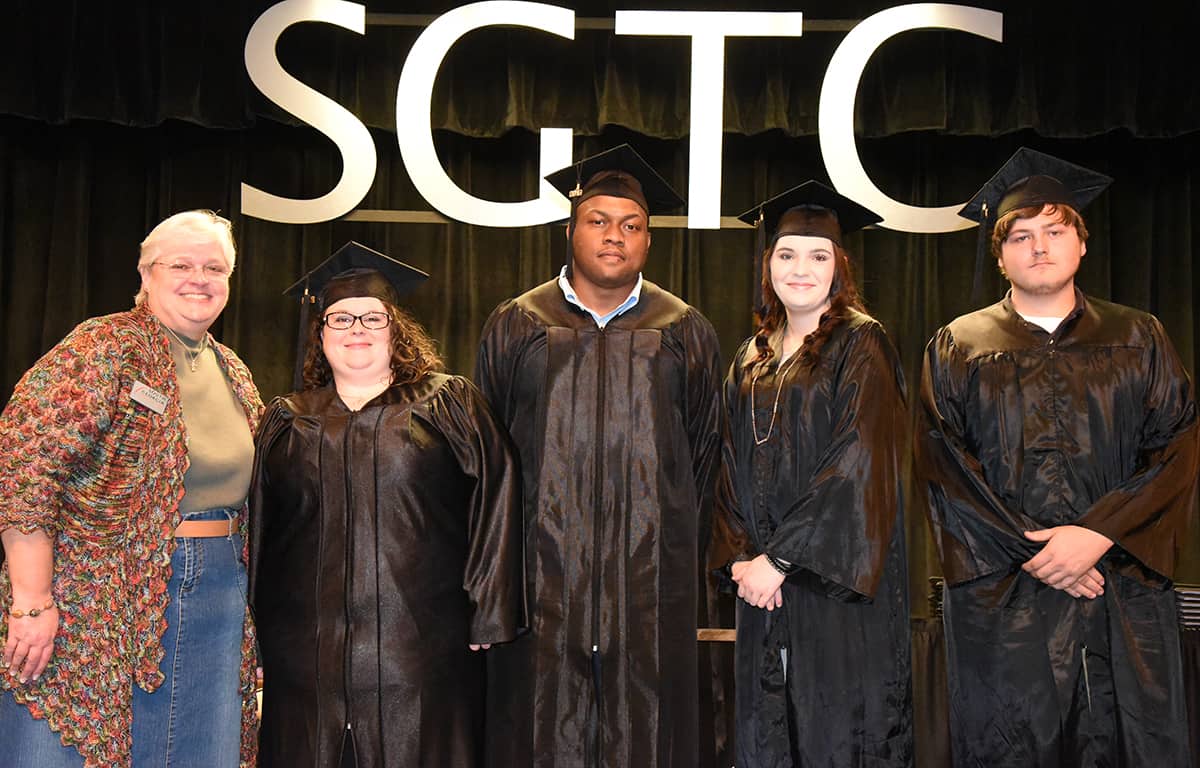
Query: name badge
149	397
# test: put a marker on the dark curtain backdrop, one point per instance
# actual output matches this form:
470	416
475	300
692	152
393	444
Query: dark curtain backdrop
115	115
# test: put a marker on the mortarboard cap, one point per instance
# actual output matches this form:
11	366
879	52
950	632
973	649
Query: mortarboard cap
1034	178
354	270
811	209
619	172
1028	178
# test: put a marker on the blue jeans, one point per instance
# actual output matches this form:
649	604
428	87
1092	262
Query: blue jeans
195	717
29	743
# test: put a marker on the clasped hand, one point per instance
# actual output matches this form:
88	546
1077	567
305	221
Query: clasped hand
1068	560
759	584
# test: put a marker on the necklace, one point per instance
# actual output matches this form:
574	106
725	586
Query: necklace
193	358
356	402
782	375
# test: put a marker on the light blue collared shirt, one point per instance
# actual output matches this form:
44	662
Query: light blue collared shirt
601	320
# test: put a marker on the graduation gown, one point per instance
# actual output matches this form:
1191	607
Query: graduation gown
823	492
1093	425
618	433
383	541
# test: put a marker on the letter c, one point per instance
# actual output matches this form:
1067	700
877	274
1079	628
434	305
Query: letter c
836	116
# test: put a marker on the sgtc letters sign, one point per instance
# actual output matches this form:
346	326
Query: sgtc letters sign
708	31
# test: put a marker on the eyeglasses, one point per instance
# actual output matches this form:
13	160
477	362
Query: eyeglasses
344	321
182	270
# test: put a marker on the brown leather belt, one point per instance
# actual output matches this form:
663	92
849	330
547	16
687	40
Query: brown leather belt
206	529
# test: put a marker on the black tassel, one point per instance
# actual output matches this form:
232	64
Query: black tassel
574	196
301	342
981	251
569	256
760	245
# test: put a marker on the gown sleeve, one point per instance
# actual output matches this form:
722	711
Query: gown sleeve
704	418
493	362
494	574
842	524
1148	514
730	542
976	533
275	422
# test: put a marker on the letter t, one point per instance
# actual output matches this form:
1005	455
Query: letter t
708	30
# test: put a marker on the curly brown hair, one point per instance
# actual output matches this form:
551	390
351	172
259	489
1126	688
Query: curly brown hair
414	354
771	316
1066	215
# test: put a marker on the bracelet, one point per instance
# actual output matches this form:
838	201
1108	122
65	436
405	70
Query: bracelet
782	566
32	612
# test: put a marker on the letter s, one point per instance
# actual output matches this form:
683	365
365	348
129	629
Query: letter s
327	116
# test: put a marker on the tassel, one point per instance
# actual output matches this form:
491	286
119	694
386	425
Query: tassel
760	245
981	249
574	196
302	341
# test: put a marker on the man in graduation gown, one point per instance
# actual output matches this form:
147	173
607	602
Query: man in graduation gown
1058	448
385	542
609	386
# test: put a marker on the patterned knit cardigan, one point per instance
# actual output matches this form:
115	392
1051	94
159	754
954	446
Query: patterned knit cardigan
103	476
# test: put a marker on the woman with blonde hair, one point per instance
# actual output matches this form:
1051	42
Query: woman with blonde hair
125	457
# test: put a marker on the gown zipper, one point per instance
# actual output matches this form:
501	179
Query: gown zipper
597	678
348	743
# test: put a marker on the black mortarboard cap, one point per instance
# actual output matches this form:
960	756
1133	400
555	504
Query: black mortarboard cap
356	270
619	172
1028	178
1034	178
811	209
352	271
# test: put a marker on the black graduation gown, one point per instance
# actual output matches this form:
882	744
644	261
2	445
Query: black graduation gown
823	492
383	541
618	433
1093	425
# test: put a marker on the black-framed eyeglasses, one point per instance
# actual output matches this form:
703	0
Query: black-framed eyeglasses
344	321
